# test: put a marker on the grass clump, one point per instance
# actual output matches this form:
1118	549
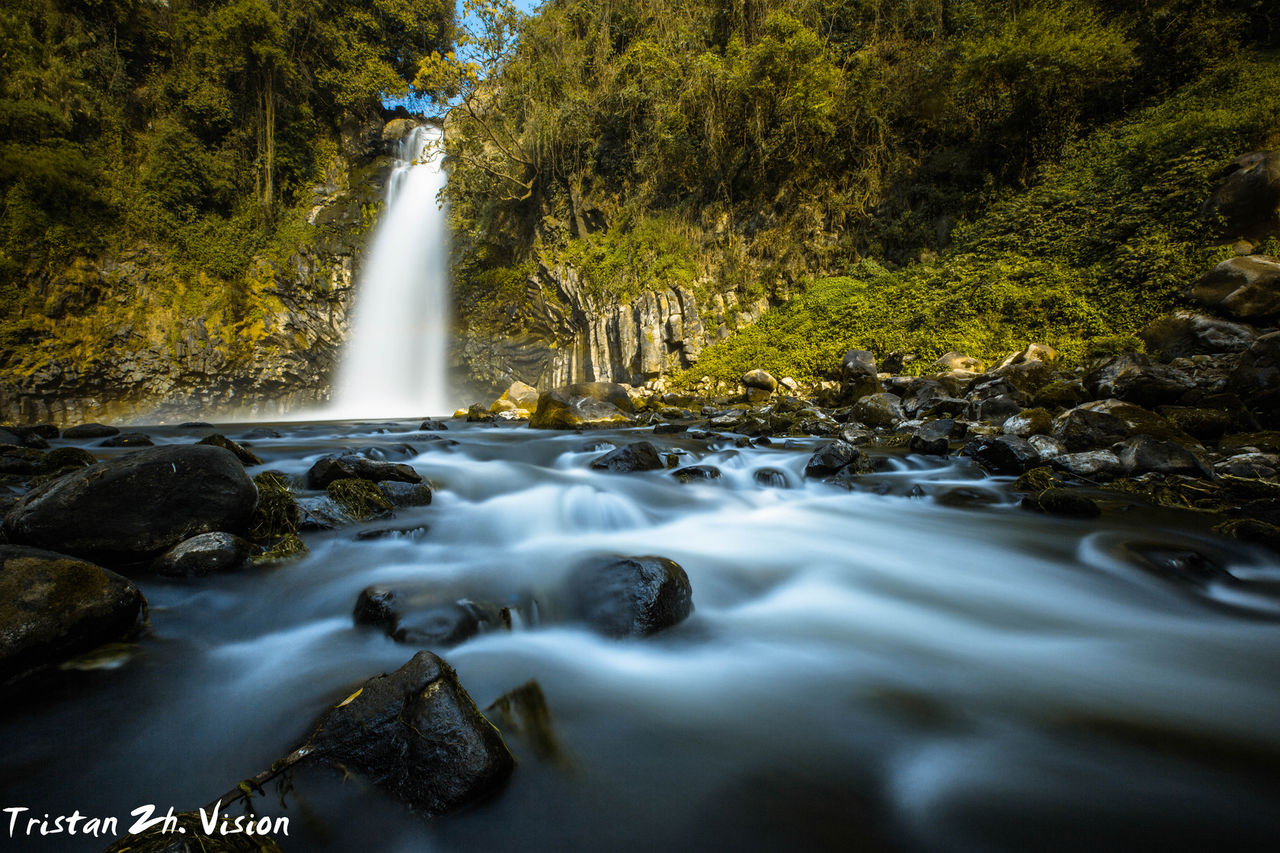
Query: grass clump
360	499
276	518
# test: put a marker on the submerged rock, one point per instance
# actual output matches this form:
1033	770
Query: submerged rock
83	431
696	473
53	607
629	596
206	554
427	618
134	506
417	734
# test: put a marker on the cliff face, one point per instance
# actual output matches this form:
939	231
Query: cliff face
132	335
559	333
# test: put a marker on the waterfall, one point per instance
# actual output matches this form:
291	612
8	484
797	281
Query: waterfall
394	361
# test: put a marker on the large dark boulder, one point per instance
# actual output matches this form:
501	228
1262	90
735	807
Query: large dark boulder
859	372
137	505
350	466
833	457
1248	197
1136	379
1245	288
1003	454
640	456
883	409
1185	334
583	405
933	438
629	596
1257	377
53	607
1081	429
1143	454
416	734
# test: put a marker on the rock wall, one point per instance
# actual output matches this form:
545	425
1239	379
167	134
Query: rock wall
129	349
564	334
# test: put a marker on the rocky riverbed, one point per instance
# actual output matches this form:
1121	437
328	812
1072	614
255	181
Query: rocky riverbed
883	621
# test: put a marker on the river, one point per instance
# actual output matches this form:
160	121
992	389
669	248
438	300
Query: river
876	669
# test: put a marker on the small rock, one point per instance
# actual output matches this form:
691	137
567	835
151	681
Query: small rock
433	426
1042	353
760	379
879	410
1047	446
953	361
128	439
859	374
246	456
359	499
932	439
405	494
696	473
1081	429
1067	502
640	456
771	478
833	457
1092	465
90	431
206	554
1143	454
996	410
348	466
630	596
1028	422
1004	454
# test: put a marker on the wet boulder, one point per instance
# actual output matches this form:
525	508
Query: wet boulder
1143	454
405	494
84	431
996	409
21	460
833	457
63	458
859	373
771	478
350	466
1134	378
1244	288
206	554
1082	429
932	439
136	505
519	397
1003	454
629	596
433	425
360	500
1185	334
697	474
1027	423
759	385
1140	421
1068	503
246	456
33	437
583	405
418	735
639	456
1257	377
957	361
1248	197
883	409
53	607
1092	465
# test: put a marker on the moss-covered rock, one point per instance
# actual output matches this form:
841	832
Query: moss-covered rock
246	456
53	607
360	499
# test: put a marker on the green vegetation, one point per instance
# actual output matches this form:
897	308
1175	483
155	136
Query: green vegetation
1101	244
914	175
194	128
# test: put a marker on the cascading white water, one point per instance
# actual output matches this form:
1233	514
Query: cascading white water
394	361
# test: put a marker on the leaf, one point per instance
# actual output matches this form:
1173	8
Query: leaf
350	698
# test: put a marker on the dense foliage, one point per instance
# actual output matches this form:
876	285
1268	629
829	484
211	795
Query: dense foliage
793	139
188	125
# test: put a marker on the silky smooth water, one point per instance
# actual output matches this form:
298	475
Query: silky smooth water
863	670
